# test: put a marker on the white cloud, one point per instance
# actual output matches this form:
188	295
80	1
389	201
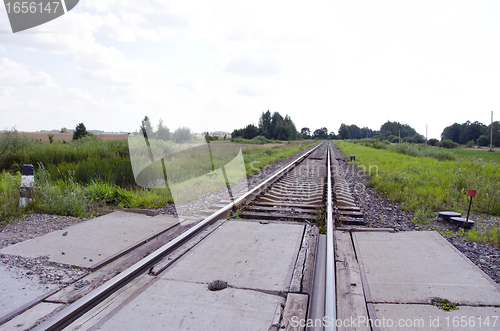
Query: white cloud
74	93
6	91
127	20
254	67
251	91
192	81
17	74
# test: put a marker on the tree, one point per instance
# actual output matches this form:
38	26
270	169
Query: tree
250	131
344	132
276	125
395	128
368	133
182	135
306	133
146	128
270	126
452	132
496	133
80	131
163	132
320	133
355	132
265	125
64	130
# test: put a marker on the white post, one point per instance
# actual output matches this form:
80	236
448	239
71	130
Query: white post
426	136
27	183
491	132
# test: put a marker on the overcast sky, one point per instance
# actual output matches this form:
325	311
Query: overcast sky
217	65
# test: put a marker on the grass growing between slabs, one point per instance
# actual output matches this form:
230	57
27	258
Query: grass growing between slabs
425	185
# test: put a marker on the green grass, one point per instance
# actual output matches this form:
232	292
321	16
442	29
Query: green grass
423	183
9	196
425	186
477	155
257	158
81	178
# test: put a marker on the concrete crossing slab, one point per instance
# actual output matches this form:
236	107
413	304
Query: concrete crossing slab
256	260
16	288
88	243
247	255
427	317
178	305
415	267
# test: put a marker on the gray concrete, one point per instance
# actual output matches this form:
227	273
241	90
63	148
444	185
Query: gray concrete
414	267
256	260
28	319
190	306
90	242
17	289
244	254
427	317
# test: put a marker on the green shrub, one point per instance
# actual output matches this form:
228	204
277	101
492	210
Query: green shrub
432	142
470	143
378	144
483	141
447	143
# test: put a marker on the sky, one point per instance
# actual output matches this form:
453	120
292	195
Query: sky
217	65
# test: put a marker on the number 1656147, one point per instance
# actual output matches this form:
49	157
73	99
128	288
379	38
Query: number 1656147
31	7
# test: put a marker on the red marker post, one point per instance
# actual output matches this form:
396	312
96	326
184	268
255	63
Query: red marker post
472	193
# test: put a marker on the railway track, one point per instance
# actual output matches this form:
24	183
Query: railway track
303	191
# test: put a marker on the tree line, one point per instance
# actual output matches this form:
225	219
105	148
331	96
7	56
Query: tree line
162	132
475	133
392	131
271	126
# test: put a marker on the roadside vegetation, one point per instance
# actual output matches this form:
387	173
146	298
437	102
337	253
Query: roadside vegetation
425	183
89	176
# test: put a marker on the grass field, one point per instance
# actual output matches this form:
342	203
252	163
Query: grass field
424	185
477	154
90	176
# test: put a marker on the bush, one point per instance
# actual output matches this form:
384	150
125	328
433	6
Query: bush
470	143
483	141
409	140
432	142
447	143
260	140
392	137
377	144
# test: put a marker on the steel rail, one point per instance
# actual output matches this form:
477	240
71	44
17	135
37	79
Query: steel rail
81	306
330	300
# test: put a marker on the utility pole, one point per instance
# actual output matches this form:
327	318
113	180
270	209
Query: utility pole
491	133
426	136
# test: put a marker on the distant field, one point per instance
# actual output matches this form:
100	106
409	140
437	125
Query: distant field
59	137
478	154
